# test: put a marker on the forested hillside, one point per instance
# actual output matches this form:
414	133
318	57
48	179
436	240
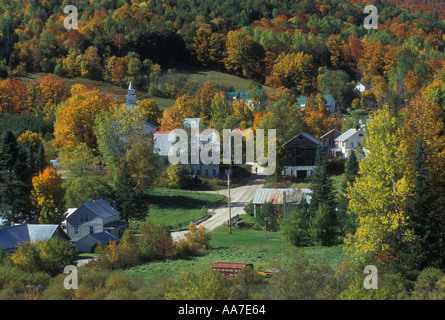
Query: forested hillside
118	41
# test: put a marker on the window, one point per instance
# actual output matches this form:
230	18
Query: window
352	145
76	230
83	217
91	229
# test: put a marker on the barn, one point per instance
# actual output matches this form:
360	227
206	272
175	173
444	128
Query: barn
302	150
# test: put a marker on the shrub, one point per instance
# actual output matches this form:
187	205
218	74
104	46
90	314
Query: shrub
195	241
301	279
203	285
154	242
49	256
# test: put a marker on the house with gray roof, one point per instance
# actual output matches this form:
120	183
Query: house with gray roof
90	241
94	217
347	141
13	236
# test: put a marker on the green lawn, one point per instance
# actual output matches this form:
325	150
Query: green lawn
172	206
242	245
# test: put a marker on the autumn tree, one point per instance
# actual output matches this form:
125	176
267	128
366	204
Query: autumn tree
244	55
149	111
48	195
317	117
52	91
75	121
295	70
378	196
172	118
91	64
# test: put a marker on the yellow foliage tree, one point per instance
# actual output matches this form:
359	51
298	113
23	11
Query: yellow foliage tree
378	195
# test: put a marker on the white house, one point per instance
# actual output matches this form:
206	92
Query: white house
162	146
361	87
347	141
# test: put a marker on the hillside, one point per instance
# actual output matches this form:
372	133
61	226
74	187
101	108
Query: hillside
437	6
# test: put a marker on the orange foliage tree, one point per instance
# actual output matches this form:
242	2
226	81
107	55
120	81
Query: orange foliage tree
48	195
75	121
316	116
52	91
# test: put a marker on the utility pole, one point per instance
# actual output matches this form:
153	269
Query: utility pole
228	187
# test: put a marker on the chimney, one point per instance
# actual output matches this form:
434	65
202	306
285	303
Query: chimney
114	205
94	196
12	223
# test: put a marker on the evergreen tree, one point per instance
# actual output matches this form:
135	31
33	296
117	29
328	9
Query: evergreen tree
323	203
296	226
321	183
15	204
427	247
323	226
129	198
40	162
347	220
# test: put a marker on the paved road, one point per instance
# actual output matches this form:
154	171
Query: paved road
239	197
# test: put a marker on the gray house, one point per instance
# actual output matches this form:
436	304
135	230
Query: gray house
87	243
94	217
13	236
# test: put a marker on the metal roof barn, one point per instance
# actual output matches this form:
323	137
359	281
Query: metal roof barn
276	196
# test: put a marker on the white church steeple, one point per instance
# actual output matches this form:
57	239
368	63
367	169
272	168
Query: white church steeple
131	97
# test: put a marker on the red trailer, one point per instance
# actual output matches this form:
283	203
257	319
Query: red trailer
229	269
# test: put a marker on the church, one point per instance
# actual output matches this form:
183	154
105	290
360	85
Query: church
161	143
132	105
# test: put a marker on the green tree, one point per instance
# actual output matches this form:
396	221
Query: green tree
15	181
426	248
267	211
323	204
347	221
128	197
296	227
80	189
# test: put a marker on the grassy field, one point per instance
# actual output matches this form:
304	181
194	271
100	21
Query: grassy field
242	245
225	80
171	206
